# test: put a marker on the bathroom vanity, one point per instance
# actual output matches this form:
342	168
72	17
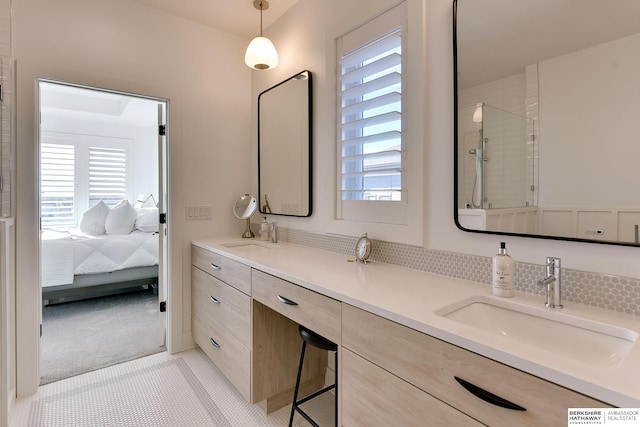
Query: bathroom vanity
403	356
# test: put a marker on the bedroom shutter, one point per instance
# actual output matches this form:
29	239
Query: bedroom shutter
107	175
57	185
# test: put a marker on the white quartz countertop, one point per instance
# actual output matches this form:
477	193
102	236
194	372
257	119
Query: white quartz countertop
411	297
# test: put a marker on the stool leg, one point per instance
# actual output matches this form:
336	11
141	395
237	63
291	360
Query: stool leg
295	393
336	389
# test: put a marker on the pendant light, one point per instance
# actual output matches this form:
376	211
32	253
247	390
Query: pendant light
261	53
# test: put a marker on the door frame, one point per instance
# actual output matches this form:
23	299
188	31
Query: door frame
159	115
25	140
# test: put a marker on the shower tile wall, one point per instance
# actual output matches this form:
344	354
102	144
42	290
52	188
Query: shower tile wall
5	107
512	94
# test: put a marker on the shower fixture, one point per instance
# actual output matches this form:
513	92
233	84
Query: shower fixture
477	113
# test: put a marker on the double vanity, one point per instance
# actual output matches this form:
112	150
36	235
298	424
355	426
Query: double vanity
413	346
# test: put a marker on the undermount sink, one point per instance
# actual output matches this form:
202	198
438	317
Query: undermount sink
580	339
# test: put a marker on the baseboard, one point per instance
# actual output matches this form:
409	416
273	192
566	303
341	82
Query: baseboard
187	344
10	403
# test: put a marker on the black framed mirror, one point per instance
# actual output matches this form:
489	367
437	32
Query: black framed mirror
284	147
545	119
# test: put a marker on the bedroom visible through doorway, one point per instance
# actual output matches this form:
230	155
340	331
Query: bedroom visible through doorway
102	185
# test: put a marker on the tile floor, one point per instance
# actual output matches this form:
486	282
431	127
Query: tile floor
183	389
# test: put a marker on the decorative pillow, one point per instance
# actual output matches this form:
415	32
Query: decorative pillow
93	220
148	220
121	218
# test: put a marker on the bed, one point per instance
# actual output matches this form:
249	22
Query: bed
113	248
76	265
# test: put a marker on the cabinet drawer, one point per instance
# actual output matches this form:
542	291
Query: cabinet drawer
319	313
431	365
373	397
231	357
214	301
229	271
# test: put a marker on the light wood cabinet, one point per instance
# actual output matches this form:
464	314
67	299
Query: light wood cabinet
215	301
246	321
373	397
229	271
317	312
432	365
231	357
221	315
278	308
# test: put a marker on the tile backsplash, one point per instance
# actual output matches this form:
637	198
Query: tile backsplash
599	290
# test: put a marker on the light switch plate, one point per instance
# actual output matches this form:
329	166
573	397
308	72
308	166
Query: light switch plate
198	212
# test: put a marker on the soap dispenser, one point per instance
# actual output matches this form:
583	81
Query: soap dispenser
502	274
265	230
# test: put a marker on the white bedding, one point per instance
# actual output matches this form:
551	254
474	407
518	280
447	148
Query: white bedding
71	253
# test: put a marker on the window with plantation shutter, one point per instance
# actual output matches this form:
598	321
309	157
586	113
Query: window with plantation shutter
107	175
77	171
370	122
57	185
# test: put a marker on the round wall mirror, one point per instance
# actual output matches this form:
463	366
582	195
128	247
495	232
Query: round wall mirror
244	208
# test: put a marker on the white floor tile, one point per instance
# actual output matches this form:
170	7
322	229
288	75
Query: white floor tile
184	389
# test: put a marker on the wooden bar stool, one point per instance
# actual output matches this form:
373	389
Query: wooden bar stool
310	337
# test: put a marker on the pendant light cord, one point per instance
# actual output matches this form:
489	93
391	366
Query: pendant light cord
261	19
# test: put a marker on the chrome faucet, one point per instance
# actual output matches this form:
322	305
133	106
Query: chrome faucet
552	283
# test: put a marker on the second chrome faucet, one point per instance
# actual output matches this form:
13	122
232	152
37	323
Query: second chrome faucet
552	283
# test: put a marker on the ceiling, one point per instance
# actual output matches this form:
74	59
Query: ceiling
60	101
234	16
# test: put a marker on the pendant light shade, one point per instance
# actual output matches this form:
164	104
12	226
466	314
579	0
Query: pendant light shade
261	53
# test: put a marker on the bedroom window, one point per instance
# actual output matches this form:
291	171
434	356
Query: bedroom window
57	185
76	172
370	123
107	175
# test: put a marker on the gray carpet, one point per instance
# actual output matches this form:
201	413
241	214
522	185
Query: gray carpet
83	336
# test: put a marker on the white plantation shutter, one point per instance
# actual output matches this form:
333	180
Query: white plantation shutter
370	129
107	175
77	171
57	185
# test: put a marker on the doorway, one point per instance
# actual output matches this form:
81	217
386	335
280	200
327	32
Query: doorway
103	191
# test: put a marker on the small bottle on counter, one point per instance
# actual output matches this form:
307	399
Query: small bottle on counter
265	230
502	274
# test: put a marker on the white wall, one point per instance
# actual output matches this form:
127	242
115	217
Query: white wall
589	113
125	46
304	38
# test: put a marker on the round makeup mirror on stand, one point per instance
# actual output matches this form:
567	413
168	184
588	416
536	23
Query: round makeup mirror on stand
244	208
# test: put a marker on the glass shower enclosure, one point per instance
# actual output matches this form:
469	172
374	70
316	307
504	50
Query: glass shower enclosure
497	158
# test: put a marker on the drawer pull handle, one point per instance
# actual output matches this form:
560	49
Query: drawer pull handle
214	343
488	397
215	267
286	300
214	300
